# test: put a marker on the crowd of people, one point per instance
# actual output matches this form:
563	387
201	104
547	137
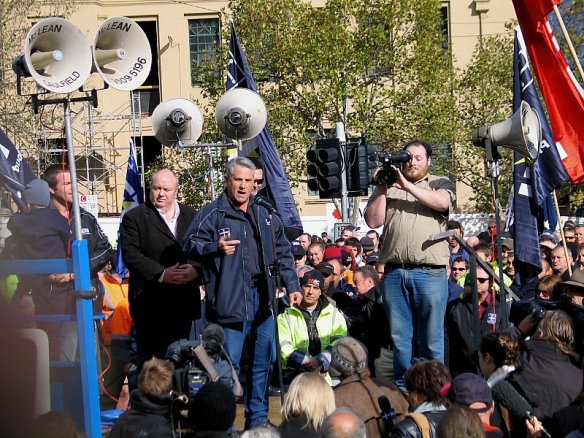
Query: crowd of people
375	335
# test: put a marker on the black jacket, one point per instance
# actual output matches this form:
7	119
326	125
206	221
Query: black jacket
366	321
162	312
149	416
461	334
60	298
408	428
546	378
297	427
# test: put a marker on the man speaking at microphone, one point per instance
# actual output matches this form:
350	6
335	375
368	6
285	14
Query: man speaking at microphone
232	238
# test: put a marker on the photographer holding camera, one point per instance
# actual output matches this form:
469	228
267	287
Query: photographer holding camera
413	206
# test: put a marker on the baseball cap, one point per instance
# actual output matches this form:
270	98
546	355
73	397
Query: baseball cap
347	258
507	243
325	268
332	252
468	388
298	251
367	243
352	228
372	258
313	278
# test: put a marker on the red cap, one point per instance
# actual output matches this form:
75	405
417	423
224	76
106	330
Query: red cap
332	252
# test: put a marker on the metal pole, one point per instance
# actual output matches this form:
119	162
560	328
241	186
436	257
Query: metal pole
72	170
504	314
84	307
340	129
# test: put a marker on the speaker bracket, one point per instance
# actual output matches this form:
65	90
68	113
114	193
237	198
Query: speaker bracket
36	102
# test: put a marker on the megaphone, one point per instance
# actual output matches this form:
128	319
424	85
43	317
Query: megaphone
56	55
121	53
241	114
177	121
520	132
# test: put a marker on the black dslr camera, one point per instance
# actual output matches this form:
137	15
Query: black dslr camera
386	174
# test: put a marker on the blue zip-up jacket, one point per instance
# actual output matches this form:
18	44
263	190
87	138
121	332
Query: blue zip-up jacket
227	278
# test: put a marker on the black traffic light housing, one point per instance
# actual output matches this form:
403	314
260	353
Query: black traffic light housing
361	163
325	166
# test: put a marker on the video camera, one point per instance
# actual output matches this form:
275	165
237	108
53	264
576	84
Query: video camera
386	174
538	307
191	373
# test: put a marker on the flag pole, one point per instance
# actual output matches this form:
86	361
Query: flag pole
569	41
557	206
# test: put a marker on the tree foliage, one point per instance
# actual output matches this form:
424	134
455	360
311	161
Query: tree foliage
379	66
484	92
16	114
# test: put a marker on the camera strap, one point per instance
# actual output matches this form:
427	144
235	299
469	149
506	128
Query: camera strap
210	369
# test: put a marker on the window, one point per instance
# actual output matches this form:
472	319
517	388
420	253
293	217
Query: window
203	42
445	26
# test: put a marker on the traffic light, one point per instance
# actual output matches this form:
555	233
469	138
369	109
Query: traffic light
357	167
361	163
325	165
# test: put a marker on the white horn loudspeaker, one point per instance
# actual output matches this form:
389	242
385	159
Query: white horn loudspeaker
177	121
241	114
520	132
121	53
56	55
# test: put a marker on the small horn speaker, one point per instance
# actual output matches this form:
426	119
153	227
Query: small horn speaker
121	53
520	132
177	121
241	114
56	55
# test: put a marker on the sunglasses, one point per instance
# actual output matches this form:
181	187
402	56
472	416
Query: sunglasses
258	181
458	269
482	280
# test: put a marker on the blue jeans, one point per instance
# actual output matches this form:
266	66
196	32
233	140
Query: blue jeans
415	301
260	336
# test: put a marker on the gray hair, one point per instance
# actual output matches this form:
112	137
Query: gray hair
301	270
353	428
261	432
238	161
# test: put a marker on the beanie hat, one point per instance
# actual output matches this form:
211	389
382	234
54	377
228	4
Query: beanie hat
332	252
213	407
468	388
349	356
37	192
313	278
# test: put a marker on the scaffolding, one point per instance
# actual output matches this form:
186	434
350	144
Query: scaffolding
101	146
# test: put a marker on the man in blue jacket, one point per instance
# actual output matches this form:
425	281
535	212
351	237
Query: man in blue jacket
235	240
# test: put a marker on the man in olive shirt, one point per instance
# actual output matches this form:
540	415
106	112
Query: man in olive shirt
415	288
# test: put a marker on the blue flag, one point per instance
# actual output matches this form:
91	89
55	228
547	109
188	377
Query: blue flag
532	184
133	196
239	74
15	172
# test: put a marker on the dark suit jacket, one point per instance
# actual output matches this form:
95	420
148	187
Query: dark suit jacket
162	312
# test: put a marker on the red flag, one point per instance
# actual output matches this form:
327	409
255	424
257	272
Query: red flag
562	94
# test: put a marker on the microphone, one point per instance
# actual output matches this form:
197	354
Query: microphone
387	412
505	394
266	203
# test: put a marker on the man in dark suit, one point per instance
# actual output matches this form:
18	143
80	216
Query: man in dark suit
163	291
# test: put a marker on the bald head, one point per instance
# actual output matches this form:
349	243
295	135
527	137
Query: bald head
163	189
343	423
